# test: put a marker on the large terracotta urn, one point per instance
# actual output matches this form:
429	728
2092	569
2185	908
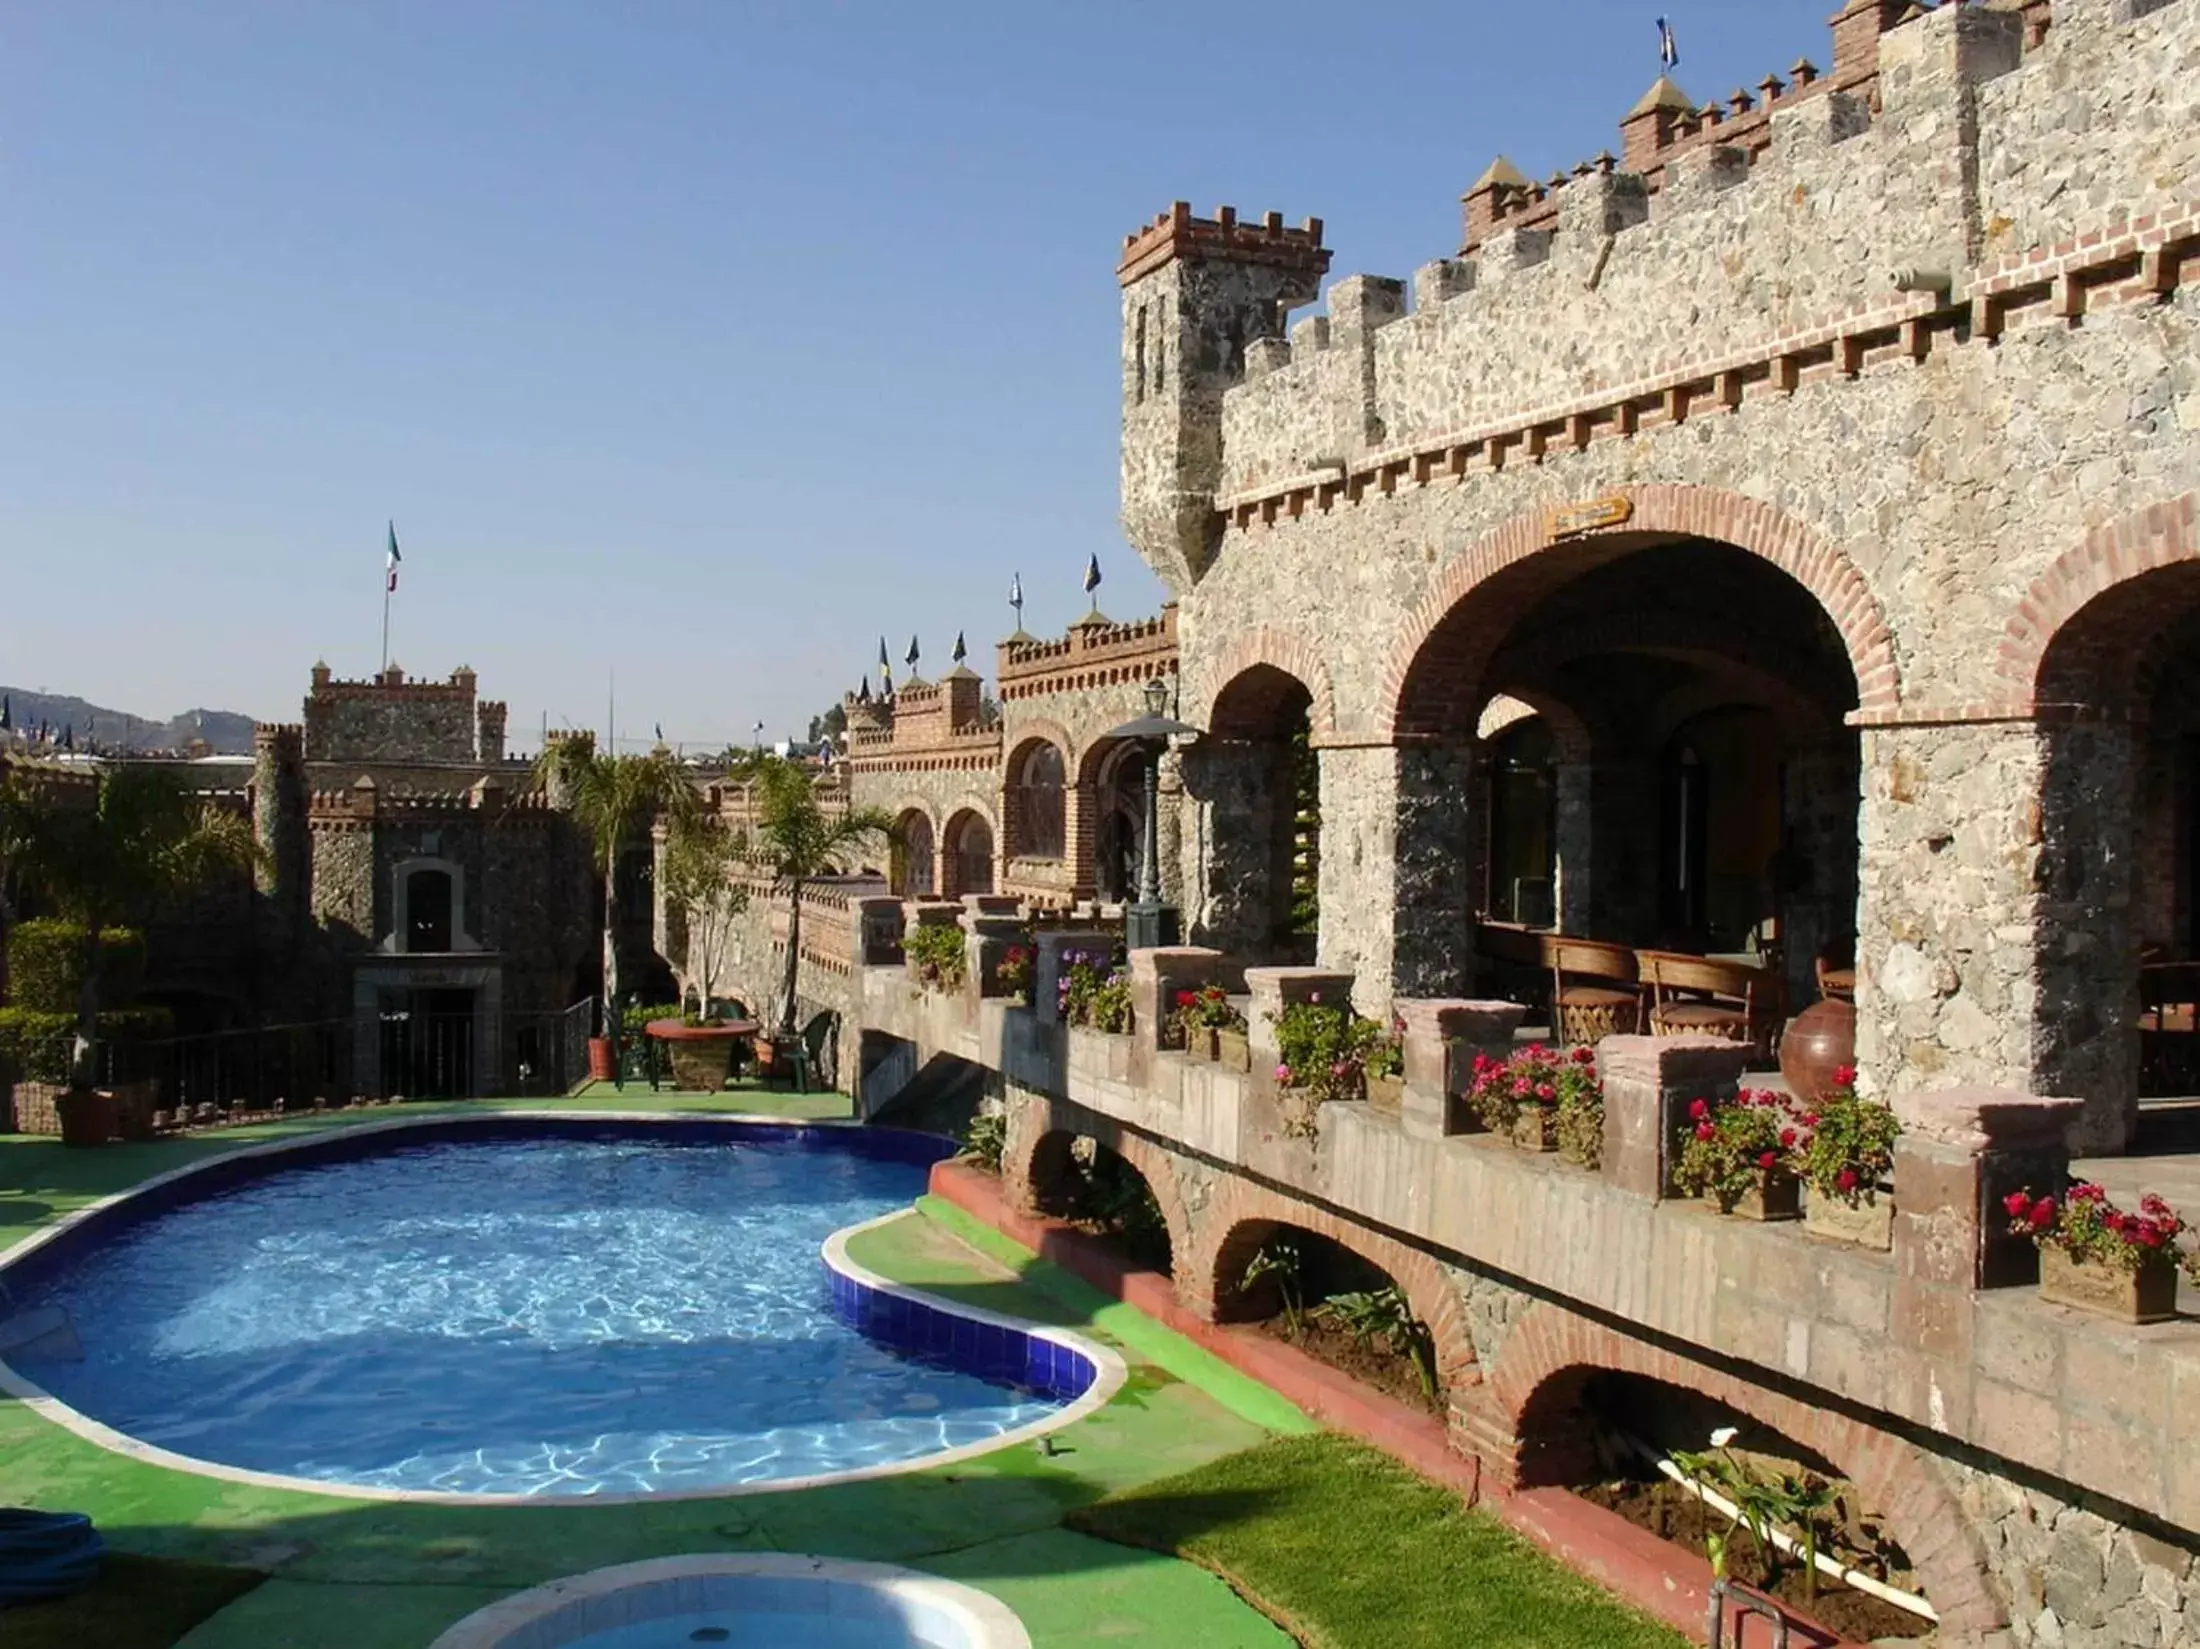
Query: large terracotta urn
1821	1041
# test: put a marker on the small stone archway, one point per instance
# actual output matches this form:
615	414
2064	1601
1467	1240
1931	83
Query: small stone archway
2120	552
1531	1412
1278	651
967	849
914	854
1040	1133
1240	1216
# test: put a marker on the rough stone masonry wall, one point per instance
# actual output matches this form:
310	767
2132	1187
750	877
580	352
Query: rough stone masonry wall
1919	499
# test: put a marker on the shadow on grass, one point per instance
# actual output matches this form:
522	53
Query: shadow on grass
137	1603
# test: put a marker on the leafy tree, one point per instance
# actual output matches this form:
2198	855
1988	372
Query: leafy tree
615	799
140	842
830	725
703	898
794	837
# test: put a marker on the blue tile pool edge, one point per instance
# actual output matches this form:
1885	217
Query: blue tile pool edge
1051	1354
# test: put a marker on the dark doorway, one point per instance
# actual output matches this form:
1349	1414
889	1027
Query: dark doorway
428	1044
428	911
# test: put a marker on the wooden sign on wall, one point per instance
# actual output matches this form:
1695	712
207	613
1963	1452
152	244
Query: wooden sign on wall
1575	519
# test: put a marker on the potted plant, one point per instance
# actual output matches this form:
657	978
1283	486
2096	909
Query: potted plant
2097	1257
614	800
1541	1100
1322	1052
1094	991
1203	1015
1386	1070
938	955
1843	1152
1013	975
1732	1157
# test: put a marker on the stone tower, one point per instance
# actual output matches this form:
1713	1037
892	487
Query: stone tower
1197	294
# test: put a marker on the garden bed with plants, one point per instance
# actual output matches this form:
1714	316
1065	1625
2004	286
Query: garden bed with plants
1669	1511
1343	1311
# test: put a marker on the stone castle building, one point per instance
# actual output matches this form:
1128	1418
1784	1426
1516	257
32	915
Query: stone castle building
1778	535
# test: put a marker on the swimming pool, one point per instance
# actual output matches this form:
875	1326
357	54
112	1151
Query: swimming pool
532	1308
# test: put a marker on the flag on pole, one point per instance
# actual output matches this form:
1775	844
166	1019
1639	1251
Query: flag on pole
1092	574
910	658
7	714
394	559
961	652
1016	593
885	668
1669	51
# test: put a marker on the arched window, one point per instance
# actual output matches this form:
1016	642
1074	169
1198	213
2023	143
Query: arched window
1523	829
912	856
428	911
1122	826
1035	797
969	854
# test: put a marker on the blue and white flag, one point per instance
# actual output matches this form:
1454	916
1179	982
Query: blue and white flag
1092	574
1669	51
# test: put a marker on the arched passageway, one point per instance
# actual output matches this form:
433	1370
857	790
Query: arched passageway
969	855
912	874
1256	780
1688	784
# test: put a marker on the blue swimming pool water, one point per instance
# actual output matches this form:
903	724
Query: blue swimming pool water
554	1316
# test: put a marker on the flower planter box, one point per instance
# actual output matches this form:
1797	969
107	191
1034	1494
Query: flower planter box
1234	1050
1777	1195
1200	1043
1387	1094
1865	1224
2147	1295
1535	1128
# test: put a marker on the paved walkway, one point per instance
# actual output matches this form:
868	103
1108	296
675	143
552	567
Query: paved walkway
349	1574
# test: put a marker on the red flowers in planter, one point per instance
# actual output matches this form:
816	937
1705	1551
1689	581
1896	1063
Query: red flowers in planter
2088	1227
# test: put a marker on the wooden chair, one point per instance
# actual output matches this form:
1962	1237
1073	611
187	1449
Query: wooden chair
1595	990
1695	996
1513	962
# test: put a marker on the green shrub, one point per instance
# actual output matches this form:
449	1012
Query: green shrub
46	964
36	1046
939	953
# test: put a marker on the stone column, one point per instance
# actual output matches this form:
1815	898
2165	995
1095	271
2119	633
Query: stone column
988	933
1156	977
1442	1039
1574	845
1994	919
874	938
1961	1153
1399	828
1649	1083
1230	897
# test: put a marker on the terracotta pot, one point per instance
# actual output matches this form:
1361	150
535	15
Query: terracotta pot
1535	1128
603	1065
1234	1050
1777	1195
1387	1094
1820	1042
1866	1224
86	1118
2147	1295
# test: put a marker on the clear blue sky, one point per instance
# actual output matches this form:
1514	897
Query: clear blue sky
708	341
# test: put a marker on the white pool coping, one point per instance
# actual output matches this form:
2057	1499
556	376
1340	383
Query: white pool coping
632	1594
1109	1370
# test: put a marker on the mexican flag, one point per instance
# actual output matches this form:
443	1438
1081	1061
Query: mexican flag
394	559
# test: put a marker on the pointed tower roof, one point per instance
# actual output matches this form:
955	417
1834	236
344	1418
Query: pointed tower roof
1663	94
1501	173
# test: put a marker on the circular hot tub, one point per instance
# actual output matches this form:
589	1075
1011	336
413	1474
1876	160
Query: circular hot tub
756	1600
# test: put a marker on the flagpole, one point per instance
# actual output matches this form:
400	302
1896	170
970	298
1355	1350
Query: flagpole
385	621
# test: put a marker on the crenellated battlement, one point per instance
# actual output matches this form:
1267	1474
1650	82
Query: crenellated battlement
1829	223
1176	233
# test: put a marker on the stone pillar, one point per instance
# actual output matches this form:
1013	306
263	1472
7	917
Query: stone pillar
989	932
1574	845
1399	832
1273	990
1231	897
1048	967
874	938
1995	946
1962	1151
1156	977
1442	1039
1649	1083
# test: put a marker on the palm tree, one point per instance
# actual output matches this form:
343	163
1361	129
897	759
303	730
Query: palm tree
141	841
614	799
797	840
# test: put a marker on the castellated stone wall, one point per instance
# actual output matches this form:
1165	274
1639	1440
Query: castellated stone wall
390	719
1731	358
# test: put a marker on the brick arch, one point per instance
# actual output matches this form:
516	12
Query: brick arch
1279	650
1011	838
1537	1382
1571	740
1658	512
2116	556
1038	1128
1237	1219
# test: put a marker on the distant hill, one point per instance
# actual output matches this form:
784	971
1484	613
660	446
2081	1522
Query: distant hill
229	733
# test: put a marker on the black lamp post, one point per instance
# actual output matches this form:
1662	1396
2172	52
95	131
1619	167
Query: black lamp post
1149	923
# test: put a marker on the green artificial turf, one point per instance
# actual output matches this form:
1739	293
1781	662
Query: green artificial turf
1346	1549
137	1603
